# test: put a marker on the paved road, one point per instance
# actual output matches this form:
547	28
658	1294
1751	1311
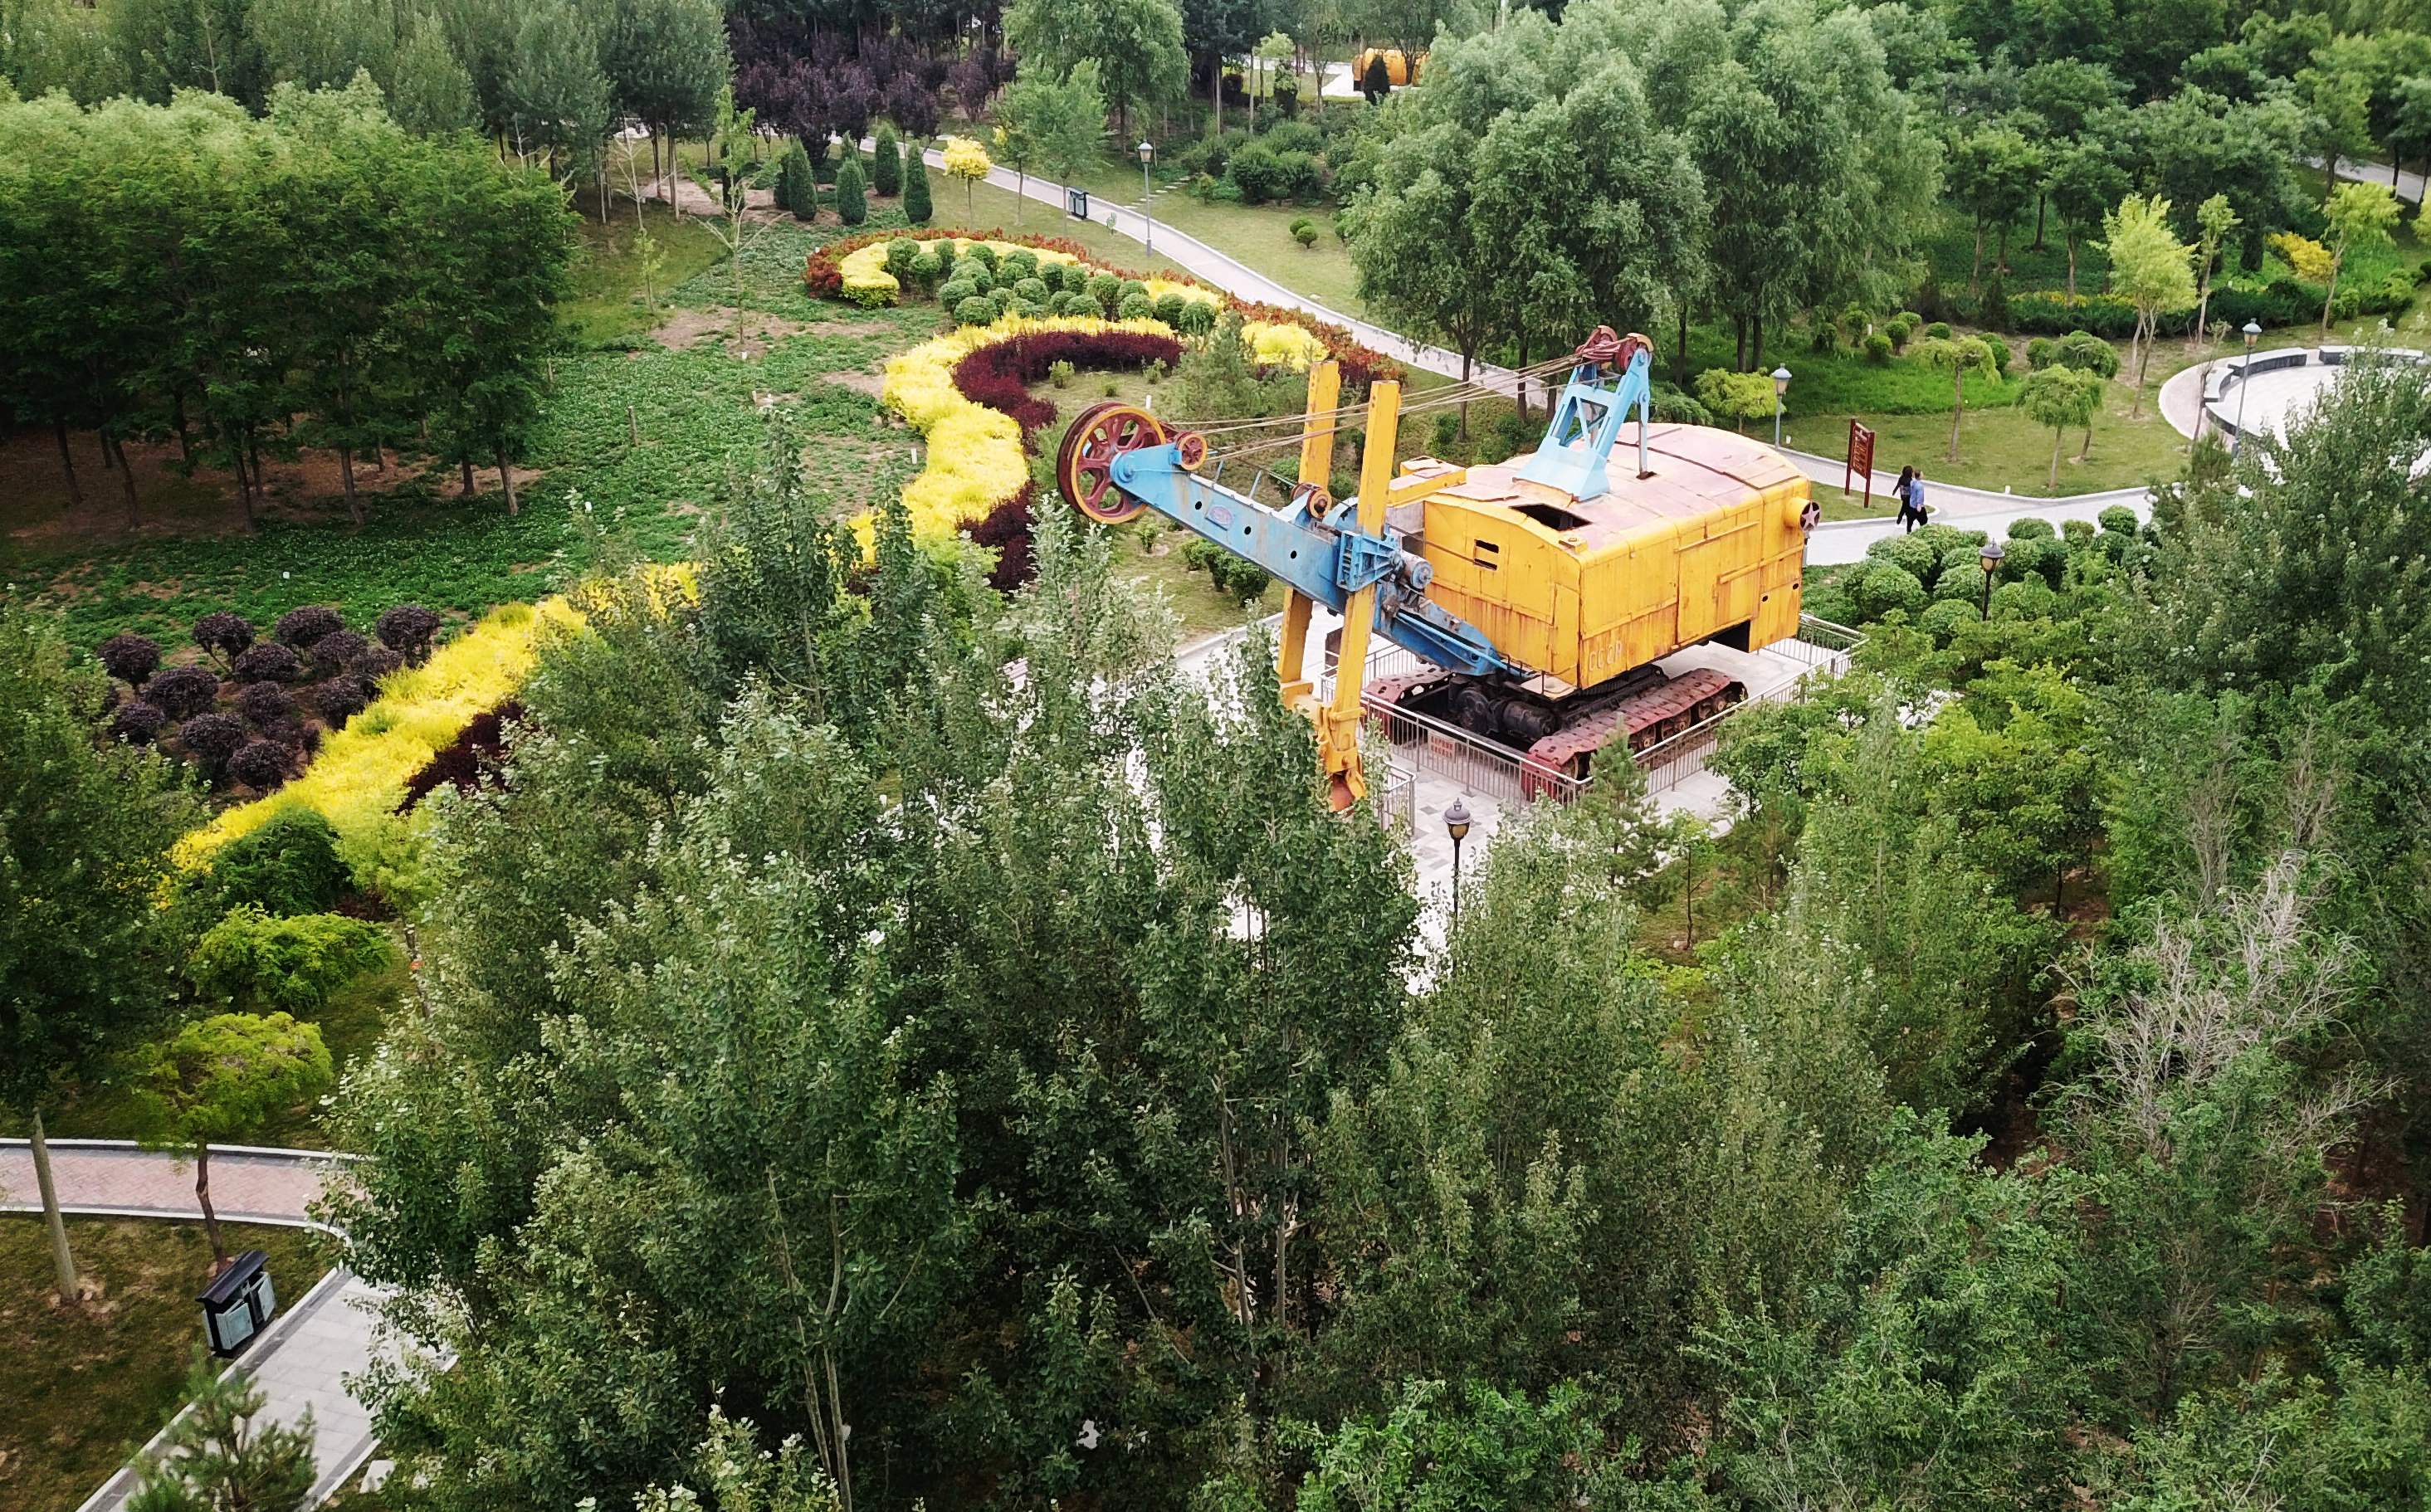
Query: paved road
302	1359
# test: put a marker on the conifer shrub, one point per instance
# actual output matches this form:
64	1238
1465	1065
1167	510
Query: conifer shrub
886	173
291	963
916	207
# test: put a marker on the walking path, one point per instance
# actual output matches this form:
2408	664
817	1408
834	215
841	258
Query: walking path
1242	282
301	1361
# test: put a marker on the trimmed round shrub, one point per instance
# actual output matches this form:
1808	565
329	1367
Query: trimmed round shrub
1878	348
1130	287
342	697
222	634
259	763
1002	299
1068	303
1884	588
954	291
377	662
266	663
1943	618
969	270
1105	291
1136	307
264	703
1943	538
1832	605
1197	318
2028	599
1960	578
1033	290
981	253
901	254
289	867
1064	278
2031	529
406	630
138	723
1914	556
2118	519
183	691
927	267
335	652
211	738
1939	330
2077	534
302	627
1030	309
130	658
1017	265
1169	308
974	311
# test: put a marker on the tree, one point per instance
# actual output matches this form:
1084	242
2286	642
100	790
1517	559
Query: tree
1136	44
2217	220
2148	265
215	1458
1816	174
1411	26
666	60
1995	172
2060	397
320	44
1058	125
1376	81
968	161
916	208
852	206
85	831
557	100
733	158
429	90
2359	215
219	1077
1960	356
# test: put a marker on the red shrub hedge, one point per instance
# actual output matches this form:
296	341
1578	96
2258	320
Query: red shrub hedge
998	375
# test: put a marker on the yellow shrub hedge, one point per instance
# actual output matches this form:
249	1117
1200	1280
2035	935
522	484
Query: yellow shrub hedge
974	456
358	777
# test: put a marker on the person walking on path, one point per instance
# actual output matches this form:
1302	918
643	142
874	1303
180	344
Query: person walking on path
1909	490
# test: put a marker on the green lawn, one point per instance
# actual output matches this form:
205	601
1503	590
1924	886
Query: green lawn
606	303
84	1388
695	409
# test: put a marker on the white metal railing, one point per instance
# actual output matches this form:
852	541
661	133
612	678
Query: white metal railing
1487	767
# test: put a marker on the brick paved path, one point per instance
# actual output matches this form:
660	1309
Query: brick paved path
319	1338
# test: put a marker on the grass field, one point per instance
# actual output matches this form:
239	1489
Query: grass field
83	1389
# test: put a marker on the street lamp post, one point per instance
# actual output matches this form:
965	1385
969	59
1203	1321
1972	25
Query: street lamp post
1780	388
1456	825
1991	556
1147	150
2244	381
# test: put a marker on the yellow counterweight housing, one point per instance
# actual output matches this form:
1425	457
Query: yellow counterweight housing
1710	545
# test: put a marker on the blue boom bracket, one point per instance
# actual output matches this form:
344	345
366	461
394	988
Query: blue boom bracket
1326	557
1586	419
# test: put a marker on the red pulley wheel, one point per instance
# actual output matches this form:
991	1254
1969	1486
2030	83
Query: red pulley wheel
1084	464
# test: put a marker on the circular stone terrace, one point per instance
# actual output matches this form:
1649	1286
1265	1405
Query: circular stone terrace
2265	392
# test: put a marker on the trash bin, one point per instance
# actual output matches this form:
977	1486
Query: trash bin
1076	203
238	1303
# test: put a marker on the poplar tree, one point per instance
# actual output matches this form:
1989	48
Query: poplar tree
85	831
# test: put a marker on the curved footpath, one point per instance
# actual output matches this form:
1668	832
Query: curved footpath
302	1359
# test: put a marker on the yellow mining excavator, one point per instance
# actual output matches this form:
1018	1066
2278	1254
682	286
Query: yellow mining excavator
1541	590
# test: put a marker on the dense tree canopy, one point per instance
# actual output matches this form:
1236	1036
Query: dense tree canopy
315	278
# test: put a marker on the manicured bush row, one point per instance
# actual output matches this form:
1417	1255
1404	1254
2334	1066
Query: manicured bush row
2284	302
1361	365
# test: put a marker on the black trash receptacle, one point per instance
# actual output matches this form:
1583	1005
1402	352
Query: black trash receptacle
238	1303
1076	203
